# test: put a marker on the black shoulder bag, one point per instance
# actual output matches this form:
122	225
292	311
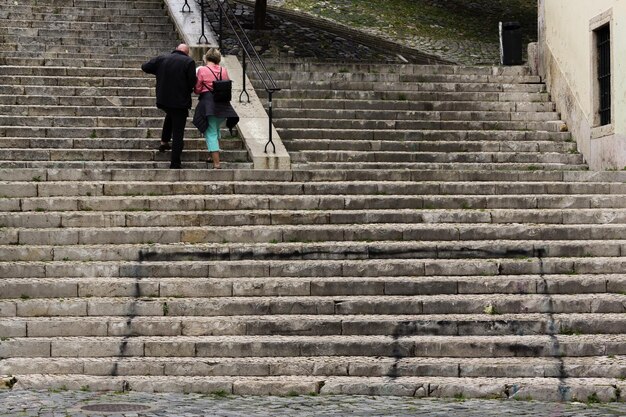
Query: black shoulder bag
222	89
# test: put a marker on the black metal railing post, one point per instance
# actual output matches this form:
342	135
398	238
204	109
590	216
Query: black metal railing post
243	82
269	114
206	40
187	6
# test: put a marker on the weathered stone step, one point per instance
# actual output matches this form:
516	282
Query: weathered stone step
100	203
323	125
72	72
48	51
501	307
121	62
339	156
152	218
36	187
295	346
73	36
319	250
90	132
329	76
77	101
93	10
428	146
81	81
52	18
308	176
80	111
88	26
338	115
440	165
310	268
470	324
226	143
77	91
593	367
407	96
379	68
314	286
421	135
281	102
406	86
542	389
69	44
127	165
125	155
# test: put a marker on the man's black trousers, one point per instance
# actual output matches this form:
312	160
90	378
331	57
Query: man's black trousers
174	129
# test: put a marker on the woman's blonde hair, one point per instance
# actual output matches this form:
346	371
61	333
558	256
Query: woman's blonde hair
213	55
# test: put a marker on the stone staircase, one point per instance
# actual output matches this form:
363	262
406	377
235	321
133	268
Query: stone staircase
443	239
72	91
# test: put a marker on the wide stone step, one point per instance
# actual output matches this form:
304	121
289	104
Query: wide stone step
421	135
379	68
121	62
406	96
346	75
291	306
309	176
69	201
76	101
72	72
126	155
329	366
318	250
428	146
410	86
93	10
76	111
88	26
226	143
126	165
309	268
338	115
431	166
542	389
90	132
317	325
283	102
197	217
8	15
77	81
295	346
70	42
38	188
325	125
302	286
338	156
77	91
26	34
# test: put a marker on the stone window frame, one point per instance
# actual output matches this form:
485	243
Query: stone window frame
603	19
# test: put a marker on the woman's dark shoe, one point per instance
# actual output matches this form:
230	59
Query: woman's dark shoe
164	147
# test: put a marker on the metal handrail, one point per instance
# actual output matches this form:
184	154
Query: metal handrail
226	13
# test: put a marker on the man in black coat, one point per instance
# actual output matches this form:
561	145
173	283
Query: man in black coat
175	79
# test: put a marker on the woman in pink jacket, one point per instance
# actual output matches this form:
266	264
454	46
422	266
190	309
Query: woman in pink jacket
214	113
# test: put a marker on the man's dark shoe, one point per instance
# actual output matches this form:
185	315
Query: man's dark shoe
173	166
164	147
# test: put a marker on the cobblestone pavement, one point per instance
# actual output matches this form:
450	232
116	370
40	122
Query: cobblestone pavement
309	40
69	403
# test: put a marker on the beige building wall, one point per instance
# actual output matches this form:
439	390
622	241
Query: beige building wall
567	60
